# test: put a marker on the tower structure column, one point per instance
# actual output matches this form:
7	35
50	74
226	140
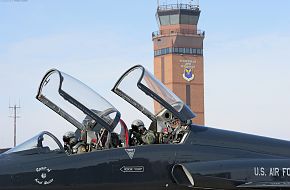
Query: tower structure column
178	54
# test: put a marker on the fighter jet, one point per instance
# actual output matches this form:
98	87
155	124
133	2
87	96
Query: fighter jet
182	155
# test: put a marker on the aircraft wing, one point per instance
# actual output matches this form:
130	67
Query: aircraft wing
266	185
233	174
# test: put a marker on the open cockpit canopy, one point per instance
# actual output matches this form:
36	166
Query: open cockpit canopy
76	102
154	96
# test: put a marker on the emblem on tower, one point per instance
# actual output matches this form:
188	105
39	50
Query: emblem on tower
188	72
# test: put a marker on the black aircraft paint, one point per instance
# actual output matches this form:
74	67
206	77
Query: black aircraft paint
206	158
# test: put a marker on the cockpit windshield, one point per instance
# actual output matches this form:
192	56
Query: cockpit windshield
43	142
76	102
153	97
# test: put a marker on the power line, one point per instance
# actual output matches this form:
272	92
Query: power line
15	116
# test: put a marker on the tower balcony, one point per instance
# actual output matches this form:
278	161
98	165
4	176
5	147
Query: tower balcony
177	7
174	32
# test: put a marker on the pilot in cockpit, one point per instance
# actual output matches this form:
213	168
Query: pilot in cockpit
72	145
139	135
173	131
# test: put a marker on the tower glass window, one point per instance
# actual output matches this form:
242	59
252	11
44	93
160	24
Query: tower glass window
174	19
188	19
165	20
198	51
181	50
189	51
175	50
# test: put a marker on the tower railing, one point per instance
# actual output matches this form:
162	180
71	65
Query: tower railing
178	6
178	31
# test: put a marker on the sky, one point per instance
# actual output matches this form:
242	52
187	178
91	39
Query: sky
246	53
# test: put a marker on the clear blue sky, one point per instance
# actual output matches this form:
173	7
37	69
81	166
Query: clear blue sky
247	70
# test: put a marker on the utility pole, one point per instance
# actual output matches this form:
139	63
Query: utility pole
15	117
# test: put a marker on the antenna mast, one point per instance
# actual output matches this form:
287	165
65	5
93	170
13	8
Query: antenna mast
15	117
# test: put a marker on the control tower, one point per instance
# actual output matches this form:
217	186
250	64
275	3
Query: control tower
178	54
